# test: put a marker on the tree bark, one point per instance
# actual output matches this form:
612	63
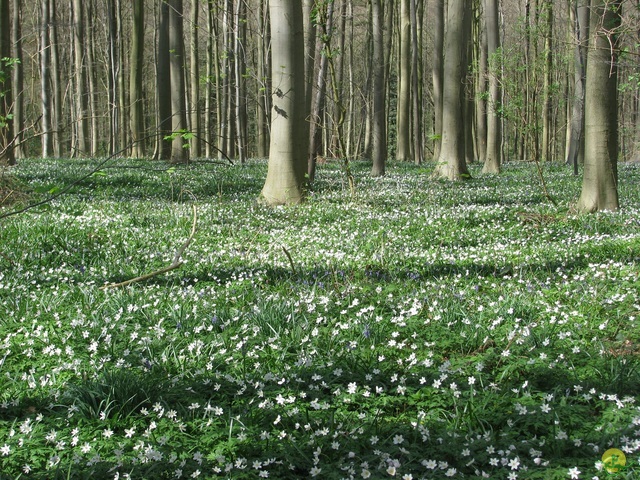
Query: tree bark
576	138
82	118
437	75
600	180
179	154
379	129
7	154
493	160
547	137
194	64
289	130
240	39
17	80
403	128
451	162
136	94
45	91
163	83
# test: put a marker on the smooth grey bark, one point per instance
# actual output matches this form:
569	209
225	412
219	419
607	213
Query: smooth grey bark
135	81
163	83
575	155
403	127
17	80
262	106
240	40
94	110
600	180
546	147
45	91
194	77
179	154
80	83
451	162
289	129
379	129
437	73
493	159
7	154
58	122
416	93
481	50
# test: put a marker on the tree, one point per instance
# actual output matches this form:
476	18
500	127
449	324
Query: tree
179	154
6	122
379	121
437	76
163	83
135	81
600	180
494	123
289	130
580	13
82	135
451	162
17	80
403	152
45	91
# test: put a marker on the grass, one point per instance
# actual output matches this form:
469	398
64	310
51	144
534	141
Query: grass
421	330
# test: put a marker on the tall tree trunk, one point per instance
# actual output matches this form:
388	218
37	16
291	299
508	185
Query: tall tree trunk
600	181
45	91
7	154
379	131
581	31
481	86
114	118
240	114
136	94
416	93
179	154
93	109
437	75
123	138
289	132
403	132
58	122
17	80
546	146
82	118
451	163
194	64
493	159
163	83
262	107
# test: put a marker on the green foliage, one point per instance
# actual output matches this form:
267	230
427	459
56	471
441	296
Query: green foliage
428	330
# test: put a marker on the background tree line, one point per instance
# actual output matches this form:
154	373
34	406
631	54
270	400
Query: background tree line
103	77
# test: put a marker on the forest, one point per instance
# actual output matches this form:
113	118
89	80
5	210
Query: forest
328	239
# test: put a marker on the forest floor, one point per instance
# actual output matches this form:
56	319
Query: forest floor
419	329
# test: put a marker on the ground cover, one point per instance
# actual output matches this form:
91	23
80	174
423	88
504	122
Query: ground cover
419	330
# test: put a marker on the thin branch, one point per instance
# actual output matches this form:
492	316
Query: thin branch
176	263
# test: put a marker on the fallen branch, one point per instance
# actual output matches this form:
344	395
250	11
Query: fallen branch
176	263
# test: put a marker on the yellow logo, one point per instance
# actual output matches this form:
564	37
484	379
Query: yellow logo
614	460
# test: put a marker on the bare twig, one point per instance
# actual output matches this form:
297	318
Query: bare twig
176	263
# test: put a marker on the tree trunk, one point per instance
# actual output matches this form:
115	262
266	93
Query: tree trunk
416	93
546	147
600	181
7	154
581	30
17	80
45	91
179	152
240	114
403	151
136	94
263	74
438	74
82	118
163	83
58	123
451	163
289	130
194	63
493	159
481	87
93	109
379	131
